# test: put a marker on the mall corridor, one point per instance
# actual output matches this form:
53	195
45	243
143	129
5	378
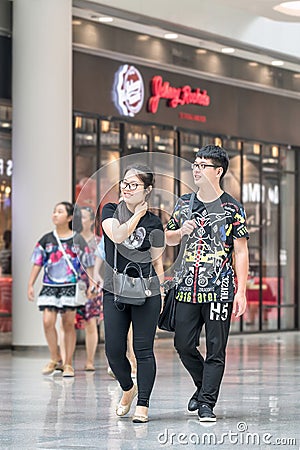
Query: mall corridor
258	406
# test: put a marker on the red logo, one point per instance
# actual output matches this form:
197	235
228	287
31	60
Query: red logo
128	90
176	96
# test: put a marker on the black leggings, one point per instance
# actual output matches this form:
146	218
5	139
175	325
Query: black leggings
144	321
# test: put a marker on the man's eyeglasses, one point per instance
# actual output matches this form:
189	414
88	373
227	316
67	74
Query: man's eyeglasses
130	186
202	166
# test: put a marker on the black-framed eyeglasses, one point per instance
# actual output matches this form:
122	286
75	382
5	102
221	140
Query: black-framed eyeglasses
130	186
202	166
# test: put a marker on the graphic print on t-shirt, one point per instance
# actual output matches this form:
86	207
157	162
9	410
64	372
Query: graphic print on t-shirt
136	239
208	256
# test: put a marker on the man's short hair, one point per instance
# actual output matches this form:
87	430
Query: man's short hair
217	154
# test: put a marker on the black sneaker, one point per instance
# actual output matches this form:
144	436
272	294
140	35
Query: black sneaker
193	403
206	414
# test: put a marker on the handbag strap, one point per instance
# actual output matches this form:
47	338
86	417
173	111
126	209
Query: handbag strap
60	246
179	259
136	265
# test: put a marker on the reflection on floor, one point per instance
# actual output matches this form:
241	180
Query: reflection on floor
258	405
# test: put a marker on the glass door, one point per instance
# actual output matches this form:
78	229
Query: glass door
270	239
251	198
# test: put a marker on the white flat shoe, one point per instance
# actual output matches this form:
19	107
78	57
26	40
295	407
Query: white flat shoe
140	419
121	410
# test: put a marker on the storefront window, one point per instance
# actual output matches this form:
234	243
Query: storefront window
5	226
109	155
251	199
232	180
287	242
164	145
189	145
262	177
85	159
270	237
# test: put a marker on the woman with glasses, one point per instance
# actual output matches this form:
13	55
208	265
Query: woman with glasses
138	236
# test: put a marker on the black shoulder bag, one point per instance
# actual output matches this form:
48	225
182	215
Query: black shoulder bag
166	320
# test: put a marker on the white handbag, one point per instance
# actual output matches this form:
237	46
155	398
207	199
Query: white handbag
80	291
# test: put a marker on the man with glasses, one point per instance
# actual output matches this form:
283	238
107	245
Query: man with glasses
207	295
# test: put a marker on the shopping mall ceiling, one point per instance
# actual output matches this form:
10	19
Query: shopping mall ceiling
252	27
277	10
265	8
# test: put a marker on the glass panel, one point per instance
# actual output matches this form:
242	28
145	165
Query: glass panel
136	139
232	180
109	178
85	159
270	238
5	226
232	146
287	159
163	144
206	140
189	145
251	198
287	251
110	136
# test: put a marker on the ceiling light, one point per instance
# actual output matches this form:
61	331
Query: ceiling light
106	19
201	51
275	151
256	149
277	63
289	8
228	50
143	37
171	36
296	75
253	64
76	22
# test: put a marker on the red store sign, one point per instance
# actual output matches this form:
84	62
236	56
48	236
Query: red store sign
176	96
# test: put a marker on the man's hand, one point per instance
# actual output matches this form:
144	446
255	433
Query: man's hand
188	227
239	304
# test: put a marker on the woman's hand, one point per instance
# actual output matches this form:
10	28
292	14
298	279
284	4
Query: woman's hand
30	293
141	208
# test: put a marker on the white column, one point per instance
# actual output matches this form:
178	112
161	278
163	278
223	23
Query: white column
42	141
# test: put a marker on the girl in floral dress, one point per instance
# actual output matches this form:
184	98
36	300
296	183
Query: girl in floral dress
59	284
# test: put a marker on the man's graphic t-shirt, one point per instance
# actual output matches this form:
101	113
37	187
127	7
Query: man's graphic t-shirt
208	256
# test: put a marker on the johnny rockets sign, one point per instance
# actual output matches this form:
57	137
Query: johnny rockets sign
176	96
128	93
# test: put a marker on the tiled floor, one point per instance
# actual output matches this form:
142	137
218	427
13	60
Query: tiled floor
258	408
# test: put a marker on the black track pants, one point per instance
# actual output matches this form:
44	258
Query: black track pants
207	374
